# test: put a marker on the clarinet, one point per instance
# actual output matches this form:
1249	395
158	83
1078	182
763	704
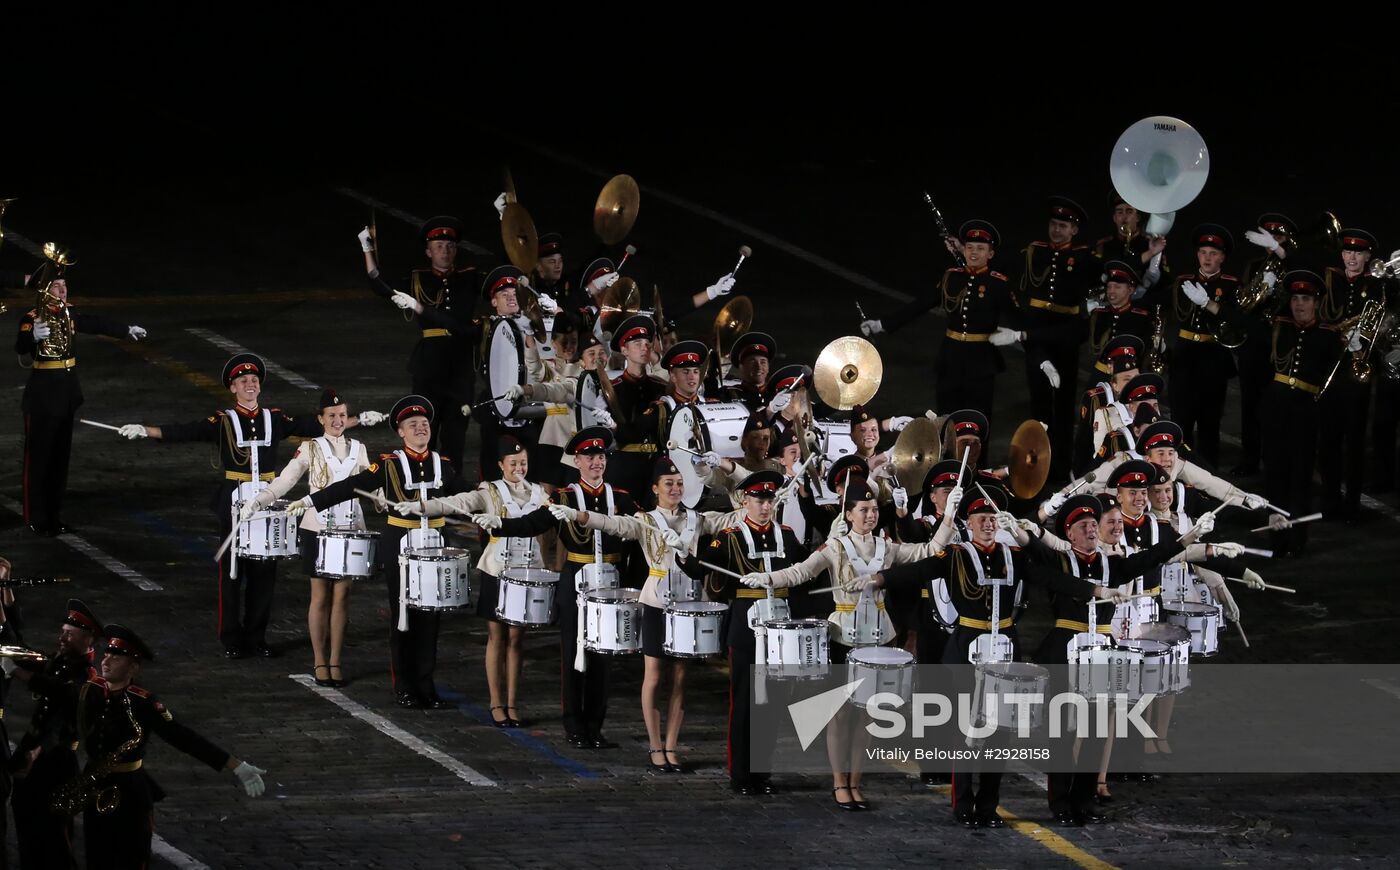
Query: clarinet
942	227
15	582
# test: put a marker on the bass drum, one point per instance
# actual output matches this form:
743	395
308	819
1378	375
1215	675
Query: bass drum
505	363
587	396
835	442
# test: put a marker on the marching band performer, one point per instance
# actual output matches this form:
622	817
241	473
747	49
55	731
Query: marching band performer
1129	244
1119	359
1201	366
1348	289
323	461
1275	236
750	359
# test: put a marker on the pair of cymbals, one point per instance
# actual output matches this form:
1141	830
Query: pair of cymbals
924	442
848	372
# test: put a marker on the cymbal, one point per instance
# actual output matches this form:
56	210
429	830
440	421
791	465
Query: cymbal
916	450
518	235
21	653
848	372
733	320
508	185
617	302
605	387
1029	460
616	209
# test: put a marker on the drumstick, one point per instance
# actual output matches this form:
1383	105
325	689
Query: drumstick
671	445
1267	554
1267	586
1240	629
1210	513
380	501
626	254
100	425
1086	480
223	548
1291	523
500	398
725	571
744	253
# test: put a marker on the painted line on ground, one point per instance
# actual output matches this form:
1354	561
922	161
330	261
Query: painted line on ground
407	217
175	367
116	566
234	347
1054	842
163	849
394	732
1384	685
519	735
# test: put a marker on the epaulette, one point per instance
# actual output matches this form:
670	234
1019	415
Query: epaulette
1140	311
386	456
996	274
1080	248
138	691
1038	245
1330	327
100	682
1329	268
788	528
1227	277
1103	241
958	269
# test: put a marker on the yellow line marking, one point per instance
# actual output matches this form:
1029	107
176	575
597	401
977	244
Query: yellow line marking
177	368
1054	842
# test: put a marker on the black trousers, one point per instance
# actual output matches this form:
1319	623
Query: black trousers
121	839
984	800
449	430
45	838
1384	427
1056	407
1342	459
1071	786
583	697
1199	375
48	441
966	376
245	601
412	653
1290	455
1256	372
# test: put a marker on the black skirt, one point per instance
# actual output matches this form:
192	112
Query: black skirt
487	595
654	633
309	550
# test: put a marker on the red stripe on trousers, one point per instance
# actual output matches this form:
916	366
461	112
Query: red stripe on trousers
26	470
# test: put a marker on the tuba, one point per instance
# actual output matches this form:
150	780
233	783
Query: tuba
1158	166
50	308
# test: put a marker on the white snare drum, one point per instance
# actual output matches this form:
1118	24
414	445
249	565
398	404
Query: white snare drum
269	534
990	649
692	629
594	576
612	621
522	553
798	648
766	610
882	669
723	426
437	578
1179	640
1177	584
1155	668
1097	668
1129	615
676	585
505	363
525	596
995	686
345	554
1202	620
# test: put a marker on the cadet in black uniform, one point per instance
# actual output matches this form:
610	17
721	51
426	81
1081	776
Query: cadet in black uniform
548	277
247	435
406	474
750	359
1130	244
1347	400
1118	315
115	720
1201	366
1118	360
46	757
757	545
982	316
443	296
48	336
1275	233
636	391
653	426
1059	274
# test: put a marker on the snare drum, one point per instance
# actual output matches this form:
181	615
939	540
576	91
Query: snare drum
997	683
692	629
269	534
797	648
525	596
612	621
1202	620
437	578
1154	673
1131	614
723	426
1095	667
881	669
1179	640
676	585
345	554
766	610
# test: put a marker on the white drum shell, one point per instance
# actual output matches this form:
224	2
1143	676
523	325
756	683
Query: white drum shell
345	555
269	534
693	629
612	621
437	578
1202	620
525	597
881	670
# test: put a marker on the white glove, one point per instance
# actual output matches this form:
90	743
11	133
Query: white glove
1003	336
41	330
897	424
1052	505
780	401
513	392
500	205
900	496
1051	373
1093	305
372	418
601	283
563	513
1007	523
1109	593
1264	239
1252	578
1254	502
404	508
548	305
1030	528
671	538
1205	525
1278	522
950	507
1228	550
710	458
245	513
1354	342
720	287
467	410
366	243
1228	608
487	522
931	414
756	581
406	302
1196	293
132	431
604	418
136	332
839	528
853	584
298	507
1270	279
871	327
251	778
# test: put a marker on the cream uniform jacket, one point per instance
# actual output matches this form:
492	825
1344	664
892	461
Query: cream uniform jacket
323	461
504	500
661	560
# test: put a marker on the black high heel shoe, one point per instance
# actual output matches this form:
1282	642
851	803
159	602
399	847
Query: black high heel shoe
673	766
845	805
339	682
499	723
859	802
328	683
511	721
663	767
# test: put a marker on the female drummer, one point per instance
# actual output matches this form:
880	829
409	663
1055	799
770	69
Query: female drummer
325	460
510	496
848	560
668	536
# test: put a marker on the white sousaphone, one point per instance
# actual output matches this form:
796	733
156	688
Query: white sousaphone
1158	166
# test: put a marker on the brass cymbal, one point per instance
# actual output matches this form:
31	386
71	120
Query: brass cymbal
917	449
1029	459
518	235
616	209
605	387
508	185
848	372
21	653
733	320
616	303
